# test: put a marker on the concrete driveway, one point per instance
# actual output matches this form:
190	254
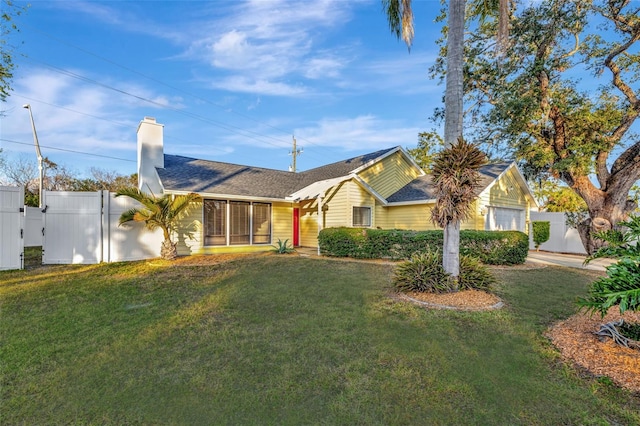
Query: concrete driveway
570	260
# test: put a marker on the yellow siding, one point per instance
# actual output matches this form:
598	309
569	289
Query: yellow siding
309	223
358	197
336	206
415	217
191	224
281	222
389	175
506	192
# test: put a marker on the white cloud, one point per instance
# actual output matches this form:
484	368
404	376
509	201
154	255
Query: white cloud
259	86
353	134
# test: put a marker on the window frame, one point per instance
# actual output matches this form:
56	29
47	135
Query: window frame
237	231
369	216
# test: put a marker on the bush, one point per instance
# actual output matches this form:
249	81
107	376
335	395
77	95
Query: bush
541	232
621	286
474	275
491	247
424	273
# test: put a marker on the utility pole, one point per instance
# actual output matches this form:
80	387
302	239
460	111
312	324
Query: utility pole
294	154
38	154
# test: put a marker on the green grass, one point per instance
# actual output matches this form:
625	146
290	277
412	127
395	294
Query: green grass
285	340
32	257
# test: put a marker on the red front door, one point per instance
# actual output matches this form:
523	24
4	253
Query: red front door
296	227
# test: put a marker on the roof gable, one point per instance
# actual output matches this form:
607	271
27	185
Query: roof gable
422	188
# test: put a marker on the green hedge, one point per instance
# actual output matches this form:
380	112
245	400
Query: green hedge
490	247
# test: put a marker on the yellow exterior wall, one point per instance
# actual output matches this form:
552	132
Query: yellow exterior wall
389	175
414	217
309	223
338	203
281	228
505	192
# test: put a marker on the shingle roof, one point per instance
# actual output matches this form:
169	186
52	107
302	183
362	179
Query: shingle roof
214	177
422	189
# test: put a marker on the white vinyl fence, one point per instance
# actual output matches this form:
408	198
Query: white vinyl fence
562	238
33	227
11	227
82	228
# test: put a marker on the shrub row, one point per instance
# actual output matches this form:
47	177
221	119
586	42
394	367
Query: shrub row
490	247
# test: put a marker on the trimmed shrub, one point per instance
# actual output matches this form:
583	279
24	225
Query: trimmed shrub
541	232
490	247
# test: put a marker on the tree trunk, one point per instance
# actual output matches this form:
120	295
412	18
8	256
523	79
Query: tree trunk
169	250
603	217
606	208
453	116
454	90
451	251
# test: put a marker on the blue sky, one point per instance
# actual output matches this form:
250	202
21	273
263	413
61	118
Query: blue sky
231	81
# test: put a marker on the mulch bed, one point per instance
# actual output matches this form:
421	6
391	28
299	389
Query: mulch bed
466	300
575	339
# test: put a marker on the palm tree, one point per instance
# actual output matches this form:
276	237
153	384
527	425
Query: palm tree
158	212
455	173
400	17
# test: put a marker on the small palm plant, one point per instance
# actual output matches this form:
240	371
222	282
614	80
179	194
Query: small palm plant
158	212
456	177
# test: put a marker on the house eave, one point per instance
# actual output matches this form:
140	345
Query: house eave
210	195
411	203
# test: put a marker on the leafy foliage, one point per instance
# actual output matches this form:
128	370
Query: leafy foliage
424	272
541	232
8	14
159	212
555	197
283	247
456	179
474	275
429	144
491	247
621	286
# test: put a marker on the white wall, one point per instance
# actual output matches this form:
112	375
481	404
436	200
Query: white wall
82	228
562	238
11	227
131	241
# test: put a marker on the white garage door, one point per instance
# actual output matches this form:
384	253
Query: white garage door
504	219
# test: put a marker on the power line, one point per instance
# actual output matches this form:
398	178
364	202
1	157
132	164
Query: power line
129	69
228	127
117	123
69	150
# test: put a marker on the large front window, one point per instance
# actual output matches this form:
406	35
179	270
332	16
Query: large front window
236	223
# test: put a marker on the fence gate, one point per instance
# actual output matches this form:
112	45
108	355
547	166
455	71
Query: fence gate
11	227
72	227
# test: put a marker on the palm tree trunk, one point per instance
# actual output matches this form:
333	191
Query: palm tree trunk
169	250
453	100
451	251
453	97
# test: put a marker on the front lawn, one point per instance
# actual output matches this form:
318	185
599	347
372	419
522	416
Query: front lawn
285	340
